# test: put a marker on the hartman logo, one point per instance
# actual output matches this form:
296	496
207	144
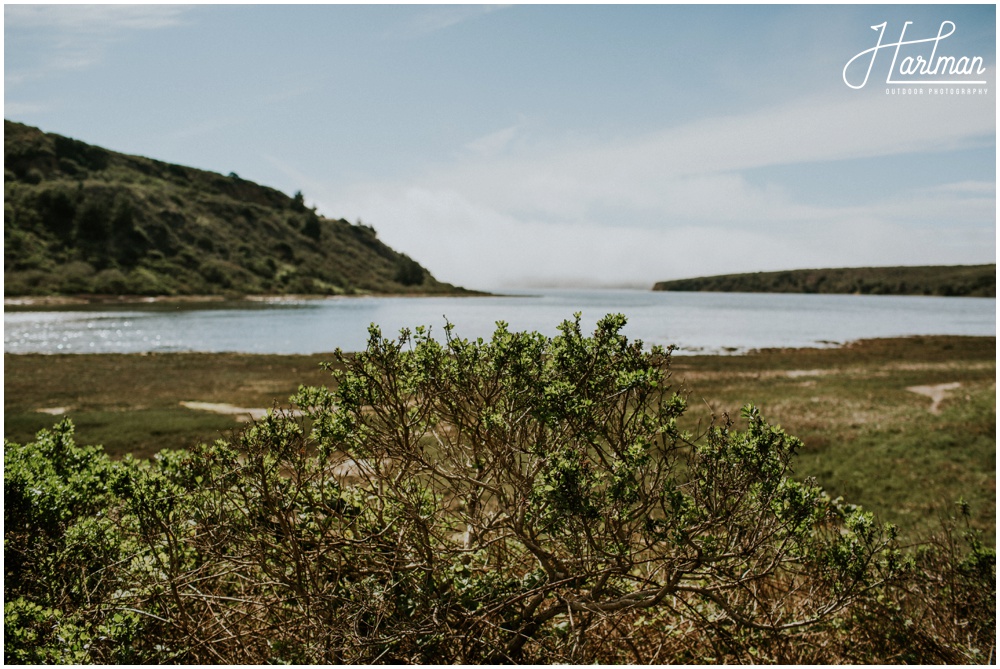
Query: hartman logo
916	62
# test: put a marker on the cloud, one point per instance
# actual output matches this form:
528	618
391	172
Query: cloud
75	36
986	188
92	18
433	19
655	169
676	202
14	109
467	243
496	142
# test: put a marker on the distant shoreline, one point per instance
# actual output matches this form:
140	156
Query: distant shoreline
89	300
928	280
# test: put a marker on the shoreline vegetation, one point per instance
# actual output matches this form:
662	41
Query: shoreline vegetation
29	303
931	280
902	426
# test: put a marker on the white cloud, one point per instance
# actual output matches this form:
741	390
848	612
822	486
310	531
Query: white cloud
75	36
496	142
432	19
92	18
985	188
638	171
12	109
675	202
472	245
946	202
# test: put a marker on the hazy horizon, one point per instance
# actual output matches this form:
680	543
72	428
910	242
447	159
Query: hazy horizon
555	146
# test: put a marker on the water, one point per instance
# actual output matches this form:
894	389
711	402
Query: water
695	322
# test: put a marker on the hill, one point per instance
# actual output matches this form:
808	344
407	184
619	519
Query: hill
80	219
955	280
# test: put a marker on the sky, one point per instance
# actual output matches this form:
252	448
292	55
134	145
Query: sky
537	146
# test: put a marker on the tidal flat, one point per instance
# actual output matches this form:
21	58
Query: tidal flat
904	427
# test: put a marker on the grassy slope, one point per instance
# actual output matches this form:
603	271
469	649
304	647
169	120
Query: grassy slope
866	437
79	219
959	280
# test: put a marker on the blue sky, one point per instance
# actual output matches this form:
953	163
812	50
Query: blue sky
547	145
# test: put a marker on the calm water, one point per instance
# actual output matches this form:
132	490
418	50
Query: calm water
696	322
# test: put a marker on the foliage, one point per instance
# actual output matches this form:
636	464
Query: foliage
165	229
409	272
66	551
523	499
948	281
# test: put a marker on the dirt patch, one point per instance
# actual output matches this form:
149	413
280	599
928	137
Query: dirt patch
799	373
937	393
242	414
54	411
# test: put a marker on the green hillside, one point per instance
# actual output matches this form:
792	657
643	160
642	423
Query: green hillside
956	280
79	219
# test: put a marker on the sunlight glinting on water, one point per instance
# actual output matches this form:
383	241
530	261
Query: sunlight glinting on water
694	322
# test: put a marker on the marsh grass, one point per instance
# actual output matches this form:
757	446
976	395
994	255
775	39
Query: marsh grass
142	432
131	403
866	437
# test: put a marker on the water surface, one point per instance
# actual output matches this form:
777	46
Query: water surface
695	322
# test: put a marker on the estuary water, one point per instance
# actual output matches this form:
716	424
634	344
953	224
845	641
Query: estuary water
694	322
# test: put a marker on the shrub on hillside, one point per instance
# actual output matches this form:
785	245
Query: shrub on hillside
110	282
76	277
408	271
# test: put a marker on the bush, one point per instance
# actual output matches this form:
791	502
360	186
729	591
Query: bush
30	282
408	272
311	228
93	221
66	553
76	277
523	499
58	209
110	282
142	281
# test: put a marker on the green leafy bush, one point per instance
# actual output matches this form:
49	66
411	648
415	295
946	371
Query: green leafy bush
523	499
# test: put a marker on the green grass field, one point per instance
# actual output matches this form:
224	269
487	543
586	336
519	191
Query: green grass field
866	437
